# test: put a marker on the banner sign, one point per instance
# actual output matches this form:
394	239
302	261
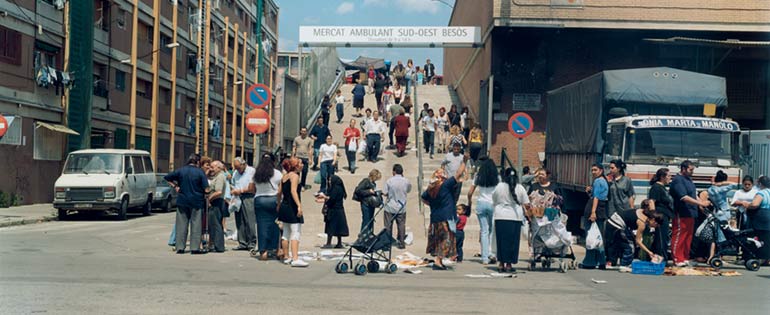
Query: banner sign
694	123
390	34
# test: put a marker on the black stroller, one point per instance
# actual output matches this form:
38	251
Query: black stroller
375	248
738	243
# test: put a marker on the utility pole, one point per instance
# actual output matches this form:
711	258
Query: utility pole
132	92
155	78
225	83
172	123
260	13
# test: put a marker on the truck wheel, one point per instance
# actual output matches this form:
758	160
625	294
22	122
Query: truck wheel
147	209
62	215
123	211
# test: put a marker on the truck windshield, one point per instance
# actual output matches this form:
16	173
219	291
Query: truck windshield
669	145
99	163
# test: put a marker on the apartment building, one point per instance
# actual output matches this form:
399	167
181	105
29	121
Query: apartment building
97	112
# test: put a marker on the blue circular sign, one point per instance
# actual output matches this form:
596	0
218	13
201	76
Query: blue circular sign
520	125
259	95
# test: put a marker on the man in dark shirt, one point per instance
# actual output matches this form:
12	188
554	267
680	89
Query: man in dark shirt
686	206
359	92
318	134
191	185
430	71
379	87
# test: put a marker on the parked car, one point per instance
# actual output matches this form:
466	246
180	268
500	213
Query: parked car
165	196
105	179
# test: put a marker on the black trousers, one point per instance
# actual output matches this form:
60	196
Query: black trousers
392	130
303	179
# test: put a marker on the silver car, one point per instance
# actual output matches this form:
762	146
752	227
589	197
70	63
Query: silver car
165	196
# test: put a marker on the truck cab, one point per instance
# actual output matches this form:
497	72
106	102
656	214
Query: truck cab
647	143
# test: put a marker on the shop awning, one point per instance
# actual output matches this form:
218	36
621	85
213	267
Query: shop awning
57	128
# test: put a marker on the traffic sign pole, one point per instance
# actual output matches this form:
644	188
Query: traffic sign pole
520	125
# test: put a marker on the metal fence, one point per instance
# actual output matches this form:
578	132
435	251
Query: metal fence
321	74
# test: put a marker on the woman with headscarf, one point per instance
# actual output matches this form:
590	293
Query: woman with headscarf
335	222
443	217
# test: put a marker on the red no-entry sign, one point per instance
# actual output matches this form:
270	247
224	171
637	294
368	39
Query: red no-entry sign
257	121
3	126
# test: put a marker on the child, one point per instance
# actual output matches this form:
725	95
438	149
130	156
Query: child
462	218
386	97
340	106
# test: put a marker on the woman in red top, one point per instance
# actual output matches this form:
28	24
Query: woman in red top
351	134
402	125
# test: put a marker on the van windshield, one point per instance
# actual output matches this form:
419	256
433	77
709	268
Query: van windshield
99	163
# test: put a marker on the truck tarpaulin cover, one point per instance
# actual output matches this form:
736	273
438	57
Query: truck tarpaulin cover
576	111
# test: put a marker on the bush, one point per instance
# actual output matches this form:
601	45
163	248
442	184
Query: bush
3	200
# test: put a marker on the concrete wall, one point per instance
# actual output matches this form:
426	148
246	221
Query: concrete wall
725	15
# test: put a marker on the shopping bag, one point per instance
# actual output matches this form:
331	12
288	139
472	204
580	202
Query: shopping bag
594	237
362	147
352	146
317	178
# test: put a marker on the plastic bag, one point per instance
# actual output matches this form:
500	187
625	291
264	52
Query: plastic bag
362	146
352	146
594	237
317	178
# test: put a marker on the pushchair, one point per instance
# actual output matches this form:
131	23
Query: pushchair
374	248
550	242
738	243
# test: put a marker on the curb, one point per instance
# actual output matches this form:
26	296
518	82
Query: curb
26	221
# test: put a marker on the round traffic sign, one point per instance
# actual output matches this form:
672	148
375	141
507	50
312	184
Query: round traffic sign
3	126
257	121
520	125
259	95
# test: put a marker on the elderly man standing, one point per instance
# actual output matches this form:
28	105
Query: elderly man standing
245	217
396	189
217	205
191	184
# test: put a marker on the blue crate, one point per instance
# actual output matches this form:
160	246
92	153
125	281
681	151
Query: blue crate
639	267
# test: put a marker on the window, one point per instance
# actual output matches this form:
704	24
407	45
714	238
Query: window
47	144
148	167
120	20
10	46
165	96
120	80
165	40
138	166
127	165
142	89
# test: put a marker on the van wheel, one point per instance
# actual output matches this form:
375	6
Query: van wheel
122	212
62	215
147	209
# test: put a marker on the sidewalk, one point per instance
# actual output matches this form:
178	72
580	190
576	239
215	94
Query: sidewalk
27	214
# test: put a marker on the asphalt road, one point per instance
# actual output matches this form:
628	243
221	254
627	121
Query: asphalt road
96	265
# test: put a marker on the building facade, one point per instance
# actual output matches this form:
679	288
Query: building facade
34	73
534	46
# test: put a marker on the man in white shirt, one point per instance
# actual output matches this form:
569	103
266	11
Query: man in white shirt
245	217
452	163
375	133
429	124
396	190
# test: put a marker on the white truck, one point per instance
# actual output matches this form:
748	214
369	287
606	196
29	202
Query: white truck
650	118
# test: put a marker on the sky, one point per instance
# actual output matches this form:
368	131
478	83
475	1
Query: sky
294	13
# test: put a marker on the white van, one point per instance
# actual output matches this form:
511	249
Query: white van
105	179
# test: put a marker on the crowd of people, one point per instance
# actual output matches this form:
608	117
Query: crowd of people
503	200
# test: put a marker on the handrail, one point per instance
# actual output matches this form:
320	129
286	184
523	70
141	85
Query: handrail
337	82
503	159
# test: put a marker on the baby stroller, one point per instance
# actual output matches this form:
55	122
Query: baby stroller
549	241
738	243
375	248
